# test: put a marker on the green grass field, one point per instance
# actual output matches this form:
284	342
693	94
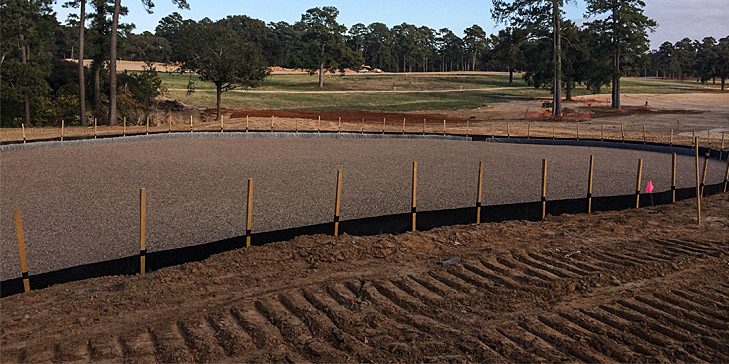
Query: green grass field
478	90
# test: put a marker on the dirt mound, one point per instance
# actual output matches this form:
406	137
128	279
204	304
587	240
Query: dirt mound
631	286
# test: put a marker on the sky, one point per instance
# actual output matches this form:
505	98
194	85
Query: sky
677	19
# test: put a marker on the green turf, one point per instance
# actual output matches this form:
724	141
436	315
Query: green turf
497	84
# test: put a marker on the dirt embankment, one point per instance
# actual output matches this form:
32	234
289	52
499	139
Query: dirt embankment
631	286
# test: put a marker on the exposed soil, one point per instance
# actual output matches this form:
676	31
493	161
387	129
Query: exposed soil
351	116
642	285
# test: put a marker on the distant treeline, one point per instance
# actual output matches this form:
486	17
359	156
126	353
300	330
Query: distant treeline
38	87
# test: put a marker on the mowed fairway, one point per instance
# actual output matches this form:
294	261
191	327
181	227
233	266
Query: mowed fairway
80	203
392	92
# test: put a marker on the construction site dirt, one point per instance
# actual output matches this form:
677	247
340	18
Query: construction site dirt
643	285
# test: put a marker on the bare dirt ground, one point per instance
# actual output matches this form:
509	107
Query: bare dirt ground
642	285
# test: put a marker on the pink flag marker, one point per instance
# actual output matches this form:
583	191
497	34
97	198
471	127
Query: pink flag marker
649	187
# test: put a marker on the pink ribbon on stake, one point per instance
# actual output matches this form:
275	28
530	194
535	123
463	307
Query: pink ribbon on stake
649	187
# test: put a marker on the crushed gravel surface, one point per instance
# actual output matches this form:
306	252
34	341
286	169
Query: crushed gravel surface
80	204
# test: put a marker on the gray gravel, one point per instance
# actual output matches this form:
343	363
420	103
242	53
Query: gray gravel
80	203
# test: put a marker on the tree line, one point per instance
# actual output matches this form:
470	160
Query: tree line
547	50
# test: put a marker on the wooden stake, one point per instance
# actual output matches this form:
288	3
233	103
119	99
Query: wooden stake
589	185
124	126
384	122
142	230
478	198
673	178
191	126
273	117
508	133
362	129
670	139
602	133
708	136
413	208
544	189
62	125
693	137
403	125
726	176
553	133
703	174
249	213
698	187
444	127
336	203
645	137
622	132
23	127
95	133
147	126
222	125
637	185
318	125
423	126
468	126
339	128
21	250
246	123
169	123
493	130
529	130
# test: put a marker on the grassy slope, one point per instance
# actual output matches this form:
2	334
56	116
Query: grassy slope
389	101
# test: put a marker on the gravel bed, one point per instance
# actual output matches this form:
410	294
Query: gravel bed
80	203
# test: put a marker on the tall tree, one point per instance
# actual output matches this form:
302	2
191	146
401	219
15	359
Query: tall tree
222	56
81	4
628	28
507	52
148	5
475	42
323	47
722	61
537	17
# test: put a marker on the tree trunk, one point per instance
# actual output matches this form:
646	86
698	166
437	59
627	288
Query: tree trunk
557	98
97	91
24	58
511	75
723	81
616	62
321	75
81	69
568	89
219	96
112	64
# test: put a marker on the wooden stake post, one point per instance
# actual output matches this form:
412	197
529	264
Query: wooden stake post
529	130
413	208
589	185
336	203
191	127
62	125
169	123
384	122
249	213
479	192
95	133
444	127
544	189
703	174
508	133
698	187
637	183
403	125
222	125
318	125
142	230
423	126
273	117
339	127
246	123
554	134
124	126
673	178
21	250
726	176
602	133
147	126
622	132
645	137
578	132
23	127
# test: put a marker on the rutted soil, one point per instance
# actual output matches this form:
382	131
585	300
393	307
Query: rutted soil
642	285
